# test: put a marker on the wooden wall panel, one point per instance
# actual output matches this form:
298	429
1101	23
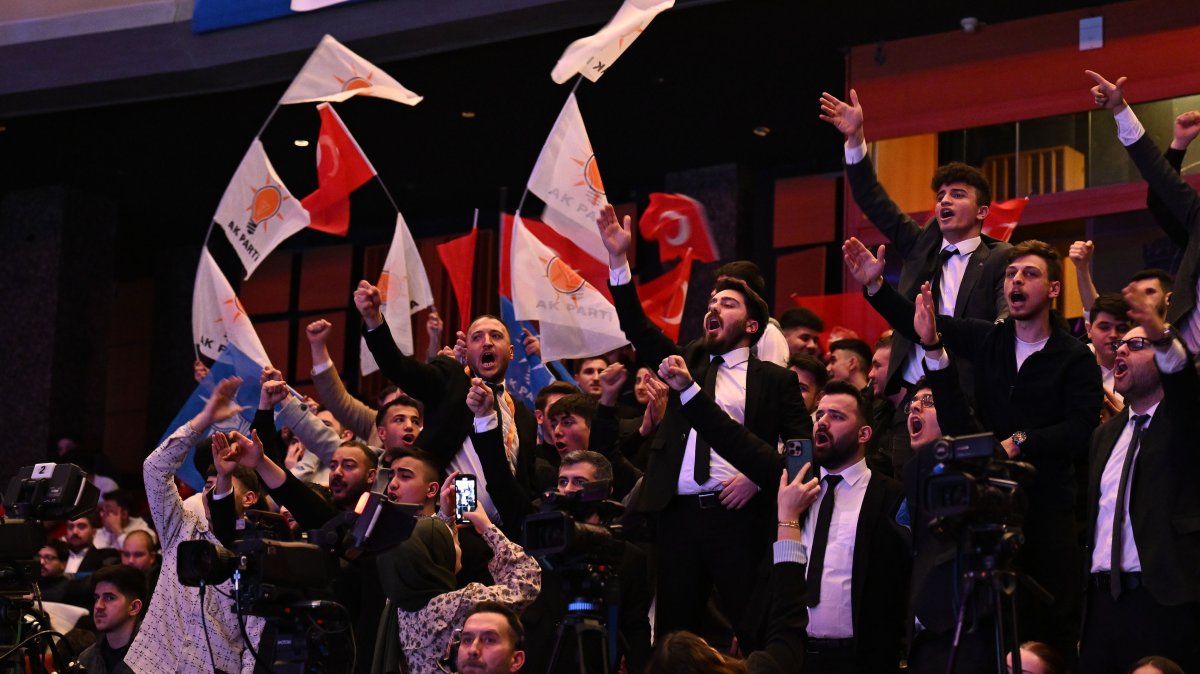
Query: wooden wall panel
802	273
805	211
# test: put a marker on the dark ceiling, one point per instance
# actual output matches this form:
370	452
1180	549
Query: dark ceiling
689	93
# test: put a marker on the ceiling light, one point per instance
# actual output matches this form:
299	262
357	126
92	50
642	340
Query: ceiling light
762	131
300	142
468	114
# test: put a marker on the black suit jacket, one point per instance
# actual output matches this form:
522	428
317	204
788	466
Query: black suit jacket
1182	201
442	385
981	294
1164	497
774	407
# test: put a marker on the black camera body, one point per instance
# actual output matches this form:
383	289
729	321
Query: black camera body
43	491
969	483
558	531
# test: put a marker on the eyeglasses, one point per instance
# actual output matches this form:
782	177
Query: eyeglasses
1134	343
47	557
925	401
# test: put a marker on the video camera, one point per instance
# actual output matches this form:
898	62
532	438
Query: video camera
44	491
558	531
968	482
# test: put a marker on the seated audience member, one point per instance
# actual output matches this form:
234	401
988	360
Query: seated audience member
357	417
587	374
114	510
772	346
812	375
84	556
802	328
52	578
173	637
418	577
492	641
849	361
783	651
120	598
1155	664
1037	658
1143	594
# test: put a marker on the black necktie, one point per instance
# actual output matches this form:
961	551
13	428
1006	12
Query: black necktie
816	561
700	473
935	281
1114	577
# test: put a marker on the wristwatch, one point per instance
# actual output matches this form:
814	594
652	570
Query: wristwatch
1168	334
937	344
1019	438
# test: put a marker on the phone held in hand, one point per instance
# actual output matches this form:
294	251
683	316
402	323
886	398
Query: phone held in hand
464	497
796	454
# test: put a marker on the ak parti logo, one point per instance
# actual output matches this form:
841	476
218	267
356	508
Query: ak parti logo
590	177
355	81
264	205
564	279
238	309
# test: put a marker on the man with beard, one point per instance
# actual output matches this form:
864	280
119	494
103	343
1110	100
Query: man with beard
351	473
84	556
1143	595
491	641
442	385
712	524
1038	391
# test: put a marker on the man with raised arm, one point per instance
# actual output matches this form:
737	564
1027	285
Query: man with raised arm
181	633
712	527
964	266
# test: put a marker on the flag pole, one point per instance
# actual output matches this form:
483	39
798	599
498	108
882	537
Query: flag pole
387	193
269	118
525	194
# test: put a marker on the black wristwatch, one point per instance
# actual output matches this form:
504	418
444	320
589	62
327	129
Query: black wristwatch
935	346
1167	336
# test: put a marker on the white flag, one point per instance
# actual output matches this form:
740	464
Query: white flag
575	319
310	5
334	73
567	178
591	56
257	212
405	289
218	317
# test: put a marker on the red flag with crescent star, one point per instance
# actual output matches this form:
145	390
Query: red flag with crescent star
663	298
1003	216
341	168
678	222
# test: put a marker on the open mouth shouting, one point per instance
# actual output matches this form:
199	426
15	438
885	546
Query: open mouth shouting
712	323
1120	368
408	439
1017	299
915	424
945	214
822	438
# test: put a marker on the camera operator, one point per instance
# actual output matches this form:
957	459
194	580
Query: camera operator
576	469
181	633
1143	593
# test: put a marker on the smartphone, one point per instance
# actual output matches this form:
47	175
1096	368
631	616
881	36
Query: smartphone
464	497
796	454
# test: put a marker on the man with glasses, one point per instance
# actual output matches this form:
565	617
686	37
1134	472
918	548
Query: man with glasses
1143	593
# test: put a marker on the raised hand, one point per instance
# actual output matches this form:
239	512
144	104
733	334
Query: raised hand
318	332
224	456
1143	310
1187	127
866	268
1108	95
656	406
795	497
433	327
272	393
674	371
533	345
925	316
480	399
295	453
616	234
220	405
845	117
199	371
247	451
1081	253
369	302
446	500
460	346
611	380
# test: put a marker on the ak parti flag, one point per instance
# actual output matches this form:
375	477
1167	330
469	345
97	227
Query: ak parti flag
591	56
458	257
405	289
567	179
334	73
1003	216
218	317
664	298
257	212
592	270
342	167
576	320
679	223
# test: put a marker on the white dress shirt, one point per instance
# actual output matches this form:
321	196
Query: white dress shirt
833	617
730	395
949	281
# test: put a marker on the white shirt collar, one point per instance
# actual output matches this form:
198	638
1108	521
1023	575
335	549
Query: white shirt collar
1150	410
734	357
851	475
964	247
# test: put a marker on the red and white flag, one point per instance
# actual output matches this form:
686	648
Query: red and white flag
1003	216
575	319
458	257
593	55
342	167
679	223
257	212
405	289
567	179
218	317
663	298
334	73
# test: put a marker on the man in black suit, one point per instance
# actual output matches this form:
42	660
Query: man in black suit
965	266
1175	195
1037	389
712	526
442	385
84	556
1143	595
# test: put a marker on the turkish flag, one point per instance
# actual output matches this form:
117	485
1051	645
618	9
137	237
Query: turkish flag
845	311
663	298
678	222
458	257
341	168
1002	218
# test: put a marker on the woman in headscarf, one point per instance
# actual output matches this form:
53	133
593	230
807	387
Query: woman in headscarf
418	578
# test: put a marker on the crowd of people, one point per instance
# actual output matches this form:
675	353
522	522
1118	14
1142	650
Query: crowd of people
1068	537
